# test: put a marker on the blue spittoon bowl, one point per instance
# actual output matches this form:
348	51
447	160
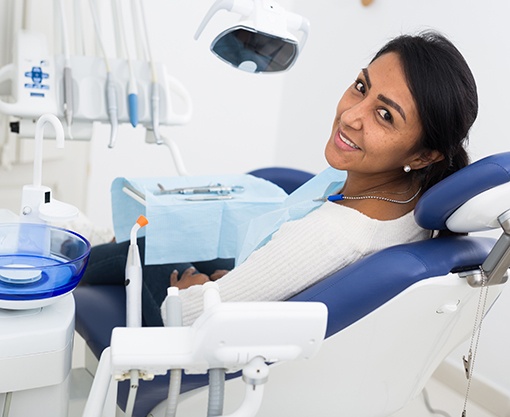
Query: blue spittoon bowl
39	264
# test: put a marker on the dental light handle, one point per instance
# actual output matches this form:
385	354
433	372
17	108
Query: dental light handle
133	278
301	24
243	7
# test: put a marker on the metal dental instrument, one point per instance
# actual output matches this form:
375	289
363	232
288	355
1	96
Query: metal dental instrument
68	79
111	107
140	13
132	86
111	95
207	189
209	197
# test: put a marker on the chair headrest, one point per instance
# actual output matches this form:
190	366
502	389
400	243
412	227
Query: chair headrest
456	202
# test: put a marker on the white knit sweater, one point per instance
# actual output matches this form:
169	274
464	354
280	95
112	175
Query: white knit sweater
303	252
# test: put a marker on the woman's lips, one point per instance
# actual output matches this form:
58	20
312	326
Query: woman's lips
345	143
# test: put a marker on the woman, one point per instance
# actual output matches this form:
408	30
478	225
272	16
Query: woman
399	129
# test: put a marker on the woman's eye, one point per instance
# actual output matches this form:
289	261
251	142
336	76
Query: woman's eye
385	115
358	85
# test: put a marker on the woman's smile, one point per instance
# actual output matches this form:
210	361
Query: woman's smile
341	141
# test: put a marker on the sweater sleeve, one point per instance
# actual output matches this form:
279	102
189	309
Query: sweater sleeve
301	253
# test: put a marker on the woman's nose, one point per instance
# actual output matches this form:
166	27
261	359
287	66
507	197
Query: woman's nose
353	116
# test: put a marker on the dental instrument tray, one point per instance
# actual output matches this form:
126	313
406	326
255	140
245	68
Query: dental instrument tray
191	217
39	264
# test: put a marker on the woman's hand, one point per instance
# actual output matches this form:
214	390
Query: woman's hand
189	277
218	274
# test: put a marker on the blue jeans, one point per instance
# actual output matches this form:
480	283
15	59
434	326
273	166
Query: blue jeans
107	265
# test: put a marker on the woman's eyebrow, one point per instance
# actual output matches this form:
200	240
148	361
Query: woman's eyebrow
391	103
367	77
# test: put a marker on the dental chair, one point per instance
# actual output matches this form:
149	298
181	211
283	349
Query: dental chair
392	316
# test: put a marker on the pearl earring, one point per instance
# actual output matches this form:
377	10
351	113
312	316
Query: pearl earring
407	168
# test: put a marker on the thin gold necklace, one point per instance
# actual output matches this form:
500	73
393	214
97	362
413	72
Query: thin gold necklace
339	197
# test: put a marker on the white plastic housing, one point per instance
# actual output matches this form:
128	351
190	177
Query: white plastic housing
227	335
35	358
481	212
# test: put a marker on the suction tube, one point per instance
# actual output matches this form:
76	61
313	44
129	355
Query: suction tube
174	318
216	392
216	375
133	278
134	301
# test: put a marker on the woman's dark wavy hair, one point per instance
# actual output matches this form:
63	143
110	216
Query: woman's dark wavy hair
445	94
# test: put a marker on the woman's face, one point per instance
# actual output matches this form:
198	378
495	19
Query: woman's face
377	126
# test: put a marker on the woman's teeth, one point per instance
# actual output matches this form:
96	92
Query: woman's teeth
348	142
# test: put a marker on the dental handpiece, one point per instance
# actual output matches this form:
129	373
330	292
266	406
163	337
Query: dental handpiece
132	97
68	98
155	112
111	104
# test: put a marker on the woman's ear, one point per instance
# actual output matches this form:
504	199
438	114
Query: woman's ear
426	158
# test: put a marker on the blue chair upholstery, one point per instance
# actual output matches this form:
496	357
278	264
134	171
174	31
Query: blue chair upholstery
288	179
350	294
454	190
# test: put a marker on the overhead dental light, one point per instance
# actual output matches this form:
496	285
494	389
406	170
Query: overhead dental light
263	41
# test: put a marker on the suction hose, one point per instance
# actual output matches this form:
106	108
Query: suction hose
216	392
174	319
